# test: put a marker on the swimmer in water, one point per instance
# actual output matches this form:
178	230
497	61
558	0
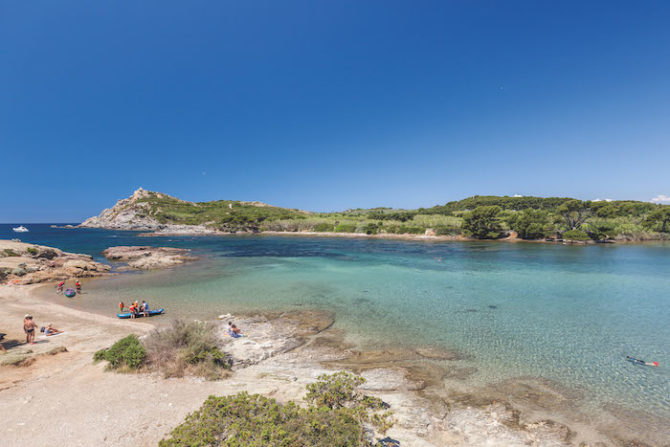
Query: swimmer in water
635	361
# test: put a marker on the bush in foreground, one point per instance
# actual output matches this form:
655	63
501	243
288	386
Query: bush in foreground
338	416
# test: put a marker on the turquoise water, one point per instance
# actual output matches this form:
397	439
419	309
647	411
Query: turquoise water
566	313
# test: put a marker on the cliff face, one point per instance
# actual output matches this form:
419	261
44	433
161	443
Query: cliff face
132	213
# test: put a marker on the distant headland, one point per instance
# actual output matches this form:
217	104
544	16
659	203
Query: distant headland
551	219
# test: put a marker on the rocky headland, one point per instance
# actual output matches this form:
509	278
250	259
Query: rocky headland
148	258
22	263
133	213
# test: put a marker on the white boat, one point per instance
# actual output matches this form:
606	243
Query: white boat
20	229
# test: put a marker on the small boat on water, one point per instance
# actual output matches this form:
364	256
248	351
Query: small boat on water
20	229
139	315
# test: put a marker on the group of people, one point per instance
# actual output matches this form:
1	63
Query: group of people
30	328
135	308
61	285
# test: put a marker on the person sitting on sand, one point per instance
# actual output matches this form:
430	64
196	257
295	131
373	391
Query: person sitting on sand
29	327
50	330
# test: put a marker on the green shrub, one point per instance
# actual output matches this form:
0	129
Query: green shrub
345	228
336	417
323	227
127	353
483	222
531	224
404	229
445	230
9	252
32	251
370	228
576	235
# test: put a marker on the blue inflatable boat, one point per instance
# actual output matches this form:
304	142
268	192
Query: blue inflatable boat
139	315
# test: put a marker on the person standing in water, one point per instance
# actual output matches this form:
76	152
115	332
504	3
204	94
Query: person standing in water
77	286
59	287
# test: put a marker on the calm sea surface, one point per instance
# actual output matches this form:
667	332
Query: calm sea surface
566	313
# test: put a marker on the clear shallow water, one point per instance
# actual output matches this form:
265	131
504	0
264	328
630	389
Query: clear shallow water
567	313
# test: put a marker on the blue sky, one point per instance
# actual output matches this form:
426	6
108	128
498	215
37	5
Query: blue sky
330	105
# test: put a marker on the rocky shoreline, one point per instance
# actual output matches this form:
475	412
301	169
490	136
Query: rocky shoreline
22	263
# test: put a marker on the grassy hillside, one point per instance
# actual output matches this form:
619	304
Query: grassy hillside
487	217
228	215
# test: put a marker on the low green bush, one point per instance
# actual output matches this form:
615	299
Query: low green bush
345	228
338	415
32	251
404	229
184	348
576	235
9	252
127	353
370	228
323	227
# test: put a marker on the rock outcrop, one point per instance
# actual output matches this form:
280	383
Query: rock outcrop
129	214
148	258
22	263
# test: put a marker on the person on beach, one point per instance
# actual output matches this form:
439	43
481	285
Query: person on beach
145	308
77	285
49	330
132	309
29	327
59	287
234	331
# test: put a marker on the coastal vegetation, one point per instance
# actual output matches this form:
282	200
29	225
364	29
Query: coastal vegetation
183	348
479	217
126	354
337	414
